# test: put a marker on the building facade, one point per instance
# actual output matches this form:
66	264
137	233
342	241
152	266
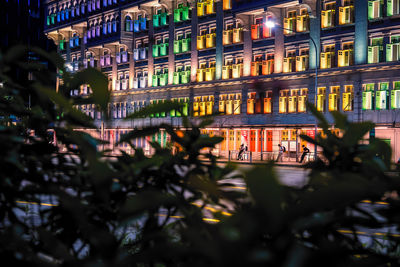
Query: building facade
222	57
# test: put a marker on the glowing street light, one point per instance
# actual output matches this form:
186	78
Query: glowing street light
271	24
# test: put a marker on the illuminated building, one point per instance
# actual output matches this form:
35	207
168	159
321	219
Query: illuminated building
219	56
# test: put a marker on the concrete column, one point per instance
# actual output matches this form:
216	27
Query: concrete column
227	141
131	70
219	58
243	107
361	32
256	142
315	34
247	45
171	56
216	102
234	139
194	53
191	98
150	61
279	40
68	59
114	68
275	140
264	140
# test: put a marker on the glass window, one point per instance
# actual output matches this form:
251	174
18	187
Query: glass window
348	97
321	95
395	95
381	96
367	96
334	98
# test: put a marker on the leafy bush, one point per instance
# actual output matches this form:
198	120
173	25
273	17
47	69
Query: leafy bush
172	209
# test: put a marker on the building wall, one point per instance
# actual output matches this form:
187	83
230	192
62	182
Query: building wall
350	34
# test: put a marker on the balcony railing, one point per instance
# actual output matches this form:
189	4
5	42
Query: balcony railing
182	46
346	15
327	18
160	50
259	31
181	14
181	77
345	57
205	8
140	53
233	36
160	20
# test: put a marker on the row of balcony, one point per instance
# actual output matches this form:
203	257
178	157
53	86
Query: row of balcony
375	53
294	24
376	7
379	100
346	16
77	11
262	67
121	57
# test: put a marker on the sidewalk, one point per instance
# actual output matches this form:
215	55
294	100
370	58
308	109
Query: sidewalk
293	164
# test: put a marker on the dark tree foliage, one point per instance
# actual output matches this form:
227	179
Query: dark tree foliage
173	209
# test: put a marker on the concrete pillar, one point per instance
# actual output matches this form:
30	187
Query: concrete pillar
114	68
219	57
276	139
361	32
234	139
315	34
244	101
131	70
227	141
150	61
69	34
171	56
279	40
216	102
256	141
247	44
194	53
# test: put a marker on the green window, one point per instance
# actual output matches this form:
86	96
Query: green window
392	7
375	50
395	96
375	9
381	96
367	96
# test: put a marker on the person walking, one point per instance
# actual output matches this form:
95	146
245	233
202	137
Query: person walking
280	153
305	152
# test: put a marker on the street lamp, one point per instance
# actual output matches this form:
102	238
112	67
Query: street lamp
271	24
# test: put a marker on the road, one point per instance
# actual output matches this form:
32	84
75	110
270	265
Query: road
291	176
